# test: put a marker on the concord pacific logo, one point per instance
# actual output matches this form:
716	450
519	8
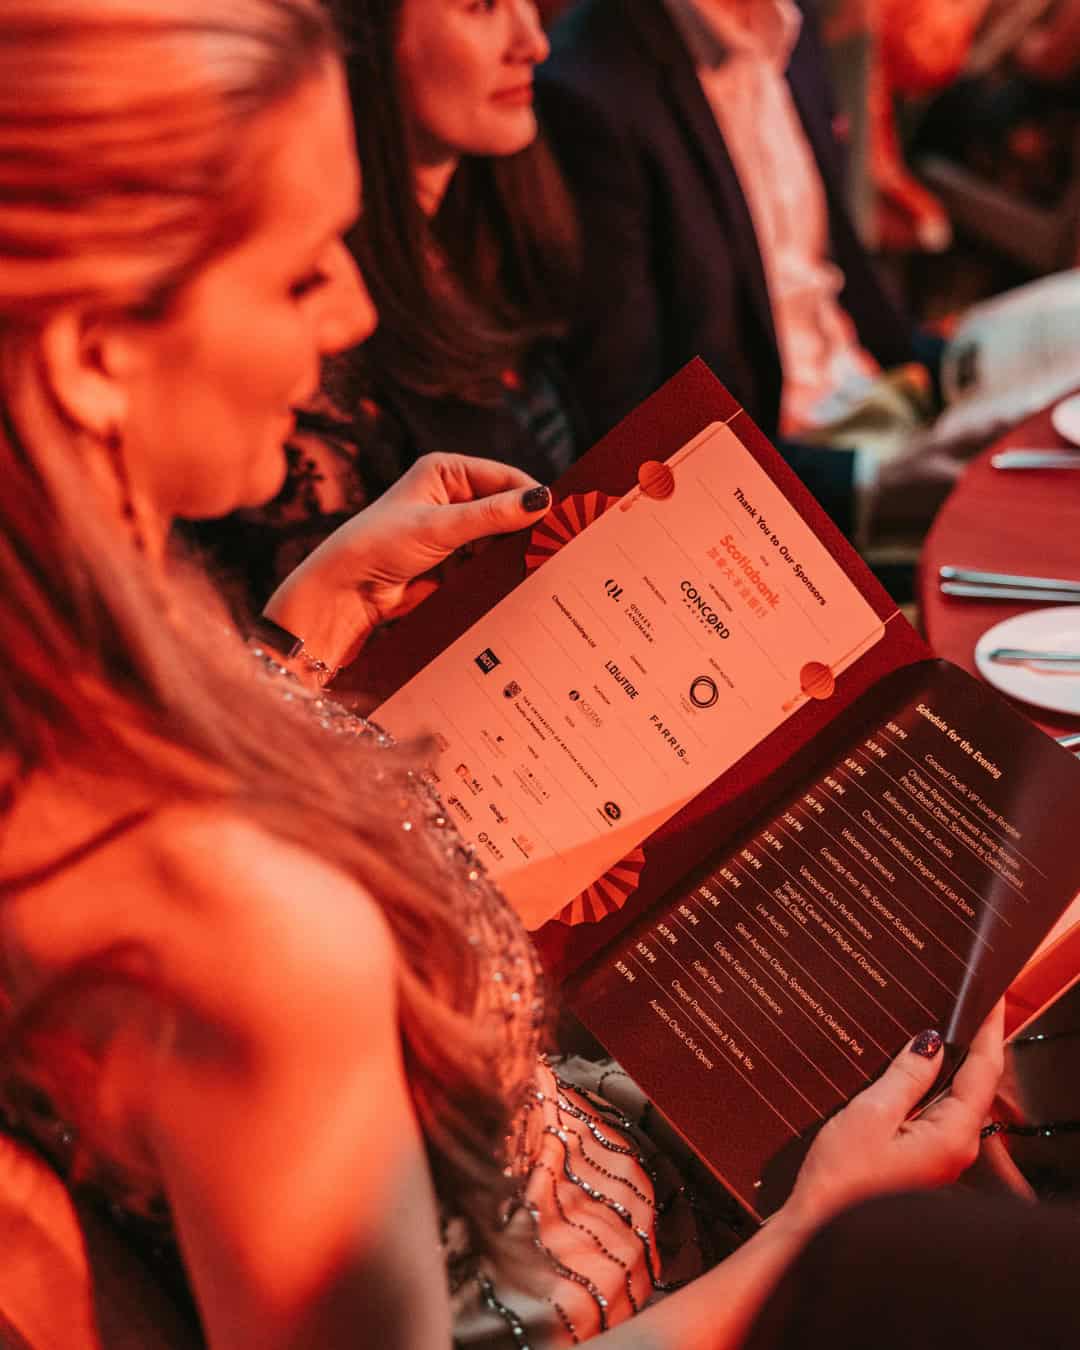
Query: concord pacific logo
703	692
695	601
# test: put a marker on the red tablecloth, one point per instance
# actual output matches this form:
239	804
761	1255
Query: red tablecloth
1026	522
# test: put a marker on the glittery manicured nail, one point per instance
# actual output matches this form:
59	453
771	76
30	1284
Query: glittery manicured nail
536	499
927	1044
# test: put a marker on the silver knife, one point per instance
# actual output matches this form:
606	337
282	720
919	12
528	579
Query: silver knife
1036	459
974	577
1019	655
971	592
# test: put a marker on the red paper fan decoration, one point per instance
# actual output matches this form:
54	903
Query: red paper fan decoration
607	895
561	523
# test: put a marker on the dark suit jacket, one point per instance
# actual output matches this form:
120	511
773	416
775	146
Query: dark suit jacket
671	263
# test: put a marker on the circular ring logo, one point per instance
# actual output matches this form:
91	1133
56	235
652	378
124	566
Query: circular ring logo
703	692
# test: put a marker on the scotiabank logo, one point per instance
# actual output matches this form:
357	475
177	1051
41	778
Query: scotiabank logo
704	612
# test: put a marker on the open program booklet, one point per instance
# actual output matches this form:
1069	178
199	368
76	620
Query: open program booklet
761	835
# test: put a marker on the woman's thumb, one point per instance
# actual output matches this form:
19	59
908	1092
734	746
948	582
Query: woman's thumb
909	1077
501	513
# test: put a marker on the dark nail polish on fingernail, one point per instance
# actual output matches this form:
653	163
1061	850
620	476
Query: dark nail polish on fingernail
927	1044
536	499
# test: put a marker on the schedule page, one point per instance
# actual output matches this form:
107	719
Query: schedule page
899	888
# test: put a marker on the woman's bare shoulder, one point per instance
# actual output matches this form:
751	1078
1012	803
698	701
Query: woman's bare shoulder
202	887
207	849
252	891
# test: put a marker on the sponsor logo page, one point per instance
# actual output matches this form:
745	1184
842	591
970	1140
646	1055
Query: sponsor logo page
634	667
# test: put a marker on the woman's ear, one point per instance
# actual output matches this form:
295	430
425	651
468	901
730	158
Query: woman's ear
87	364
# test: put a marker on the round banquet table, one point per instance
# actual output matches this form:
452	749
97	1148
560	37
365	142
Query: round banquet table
1018	521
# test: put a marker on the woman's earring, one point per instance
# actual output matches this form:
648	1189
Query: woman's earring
114	446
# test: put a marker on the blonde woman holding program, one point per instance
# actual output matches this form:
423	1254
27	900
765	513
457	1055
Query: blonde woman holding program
255	989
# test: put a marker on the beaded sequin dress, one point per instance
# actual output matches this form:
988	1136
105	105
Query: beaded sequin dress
607	1220
610	1218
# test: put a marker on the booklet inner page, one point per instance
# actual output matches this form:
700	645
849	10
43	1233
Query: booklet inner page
659	637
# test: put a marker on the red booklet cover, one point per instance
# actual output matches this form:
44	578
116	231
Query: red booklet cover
849	860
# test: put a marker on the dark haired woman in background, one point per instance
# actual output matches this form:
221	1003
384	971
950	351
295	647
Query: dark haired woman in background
469	245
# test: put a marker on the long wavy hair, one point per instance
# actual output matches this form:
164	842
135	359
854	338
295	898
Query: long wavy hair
122	171
461	296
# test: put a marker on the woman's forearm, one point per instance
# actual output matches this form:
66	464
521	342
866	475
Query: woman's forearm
715	1310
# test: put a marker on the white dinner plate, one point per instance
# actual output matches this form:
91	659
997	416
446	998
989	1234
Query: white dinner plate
1065	419
1050	630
